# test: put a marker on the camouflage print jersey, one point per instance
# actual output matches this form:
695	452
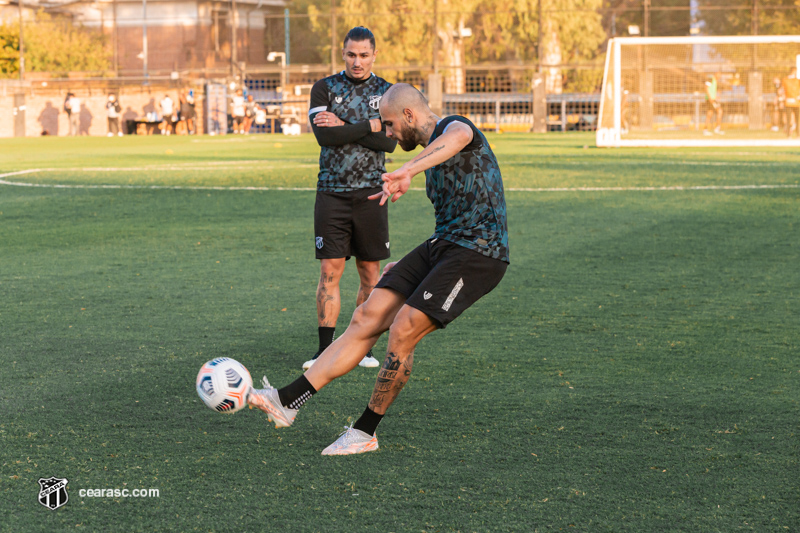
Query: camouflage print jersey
349	166
467	195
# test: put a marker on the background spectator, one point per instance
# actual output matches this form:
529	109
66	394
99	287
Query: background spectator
791	87
238	111
167	110
779	105
113	108
72	105
186	104
250	110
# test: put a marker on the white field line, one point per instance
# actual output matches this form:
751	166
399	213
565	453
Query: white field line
217	188
672	188
641	162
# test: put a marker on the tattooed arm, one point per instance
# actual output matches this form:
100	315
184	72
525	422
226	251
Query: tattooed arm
452	141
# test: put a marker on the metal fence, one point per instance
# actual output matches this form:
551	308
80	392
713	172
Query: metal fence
487	57
223	38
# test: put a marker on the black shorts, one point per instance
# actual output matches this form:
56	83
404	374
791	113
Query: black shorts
712	106
348	224
443	279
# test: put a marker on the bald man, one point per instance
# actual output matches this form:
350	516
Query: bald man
464	259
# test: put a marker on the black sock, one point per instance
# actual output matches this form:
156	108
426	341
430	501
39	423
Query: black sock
296	393
368	422
325	339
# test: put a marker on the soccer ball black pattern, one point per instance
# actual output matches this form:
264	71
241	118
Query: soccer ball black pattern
223	384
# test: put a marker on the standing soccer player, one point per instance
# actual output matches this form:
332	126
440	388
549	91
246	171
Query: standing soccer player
465	259
344	114
713	105
791	88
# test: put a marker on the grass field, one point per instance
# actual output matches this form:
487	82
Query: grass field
637	369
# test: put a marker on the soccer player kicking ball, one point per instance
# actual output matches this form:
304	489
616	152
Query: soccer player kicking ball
465	259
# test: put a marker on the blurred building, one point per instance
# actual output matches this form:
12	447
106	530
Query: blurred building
181	34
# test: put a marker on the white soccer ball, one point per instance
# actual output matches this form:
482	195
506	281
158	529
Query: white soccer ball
223	385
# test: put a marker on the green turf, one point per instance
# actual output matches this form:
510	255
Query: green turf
637	370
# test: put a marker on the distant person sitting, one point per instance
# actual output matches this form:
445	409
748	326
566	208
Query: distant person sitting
791	86
113	109
713	105
167	110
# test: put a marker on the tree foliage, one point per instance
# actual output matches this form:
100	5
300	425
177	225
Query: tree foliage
54	46
773	18
502	30
464	32
9	51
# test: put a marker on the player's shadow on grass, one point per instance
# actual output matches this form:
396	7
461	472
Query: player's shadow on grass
48	118
127	116
85	120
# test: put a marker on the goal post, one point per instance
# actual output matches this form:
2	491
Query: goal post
700	91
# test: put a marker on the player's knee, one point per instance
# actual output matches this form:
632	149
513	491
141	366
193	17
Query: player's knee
365	319
331	272
369	272
406	326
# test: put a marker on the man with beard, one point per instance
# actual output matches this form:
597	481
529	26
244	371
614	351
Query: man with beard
343	111
464	259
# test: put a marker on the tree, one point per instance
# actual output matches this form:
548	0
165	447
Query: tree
776	17
9	51
55	46
666	17
571	33
468	32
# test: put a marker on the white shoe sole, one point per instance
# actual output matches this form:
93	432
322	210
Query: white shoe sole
369	362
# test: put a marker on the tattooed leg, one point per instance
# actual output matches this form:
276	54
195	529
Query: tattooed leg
409	327
328	300
392	378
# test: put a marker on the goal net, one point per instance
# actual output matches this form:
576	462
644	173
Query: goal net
701	91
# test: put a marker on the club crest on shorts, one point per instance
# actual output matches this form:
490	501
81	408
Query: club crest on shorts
53	492
375	101
427	295
319	243
387	245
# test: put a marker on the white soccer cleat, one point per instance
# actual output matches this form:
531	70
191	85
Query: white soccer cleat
267	400
369	361
352	441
